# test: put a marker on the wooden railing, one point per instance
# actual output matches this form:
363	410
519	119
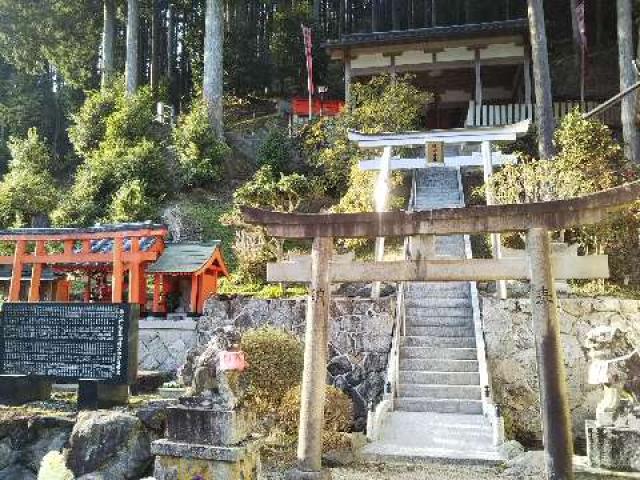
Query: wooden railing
483	115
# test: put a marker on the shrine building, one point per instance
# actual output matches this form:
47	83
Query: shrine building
475	61
112	264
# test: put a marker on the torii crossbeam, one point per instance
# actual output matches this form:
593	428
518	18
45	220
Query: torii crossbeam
537	219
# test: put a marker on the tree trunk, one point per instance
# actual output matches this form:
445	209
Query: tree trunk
156	40
577	41
467	11
395	14
599	23
108	40
213	68
133	63
542	77
171	55
627	78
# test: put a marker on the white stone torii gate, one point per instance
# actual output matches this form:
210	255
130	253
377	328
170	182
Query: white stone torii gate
387	163
537	219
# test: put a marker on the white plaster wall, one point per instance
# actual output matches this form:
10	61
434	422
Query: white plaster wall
370	61
502	50
414	57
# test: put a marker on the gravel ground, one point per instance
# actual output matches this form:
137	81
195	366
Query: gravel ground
433	471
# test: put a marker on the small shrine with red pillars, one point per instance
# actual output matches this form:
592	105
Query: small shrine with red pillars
112	263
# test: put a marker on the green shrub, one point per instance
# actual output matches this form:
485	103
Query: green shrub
275	359
28	189
125	152
338	412
589	160
30	153
383	104
90	123
200	152
277	150
131	204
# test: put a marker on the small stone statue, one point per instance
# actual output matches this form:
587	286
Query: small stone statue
615	364
208	384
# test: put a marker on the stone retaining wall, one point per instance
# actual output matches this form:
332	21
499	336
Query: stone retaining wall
359	341
164	343
512	358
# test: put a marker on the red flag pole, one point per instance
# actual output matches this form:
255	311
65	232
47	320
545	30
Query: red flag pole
308	49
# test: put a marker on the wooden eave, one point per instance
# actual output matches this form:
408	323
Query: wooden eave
481	34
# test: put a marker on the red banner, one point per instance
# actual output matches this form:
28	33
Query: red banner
308	52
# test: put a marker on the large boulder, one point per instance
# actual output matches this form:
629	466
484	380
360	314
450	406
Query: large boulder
110	446
24	441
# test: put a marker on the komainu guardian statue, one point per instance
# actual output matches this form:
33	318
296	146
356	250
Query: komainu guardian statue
615	364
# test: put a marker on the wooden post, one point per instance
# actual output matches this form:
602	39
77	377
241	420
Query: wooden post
478	71
314	376
36	274
117	277
554	404
193	302
16	274
496	245
87	289
347	77
158	286
527	78
135	274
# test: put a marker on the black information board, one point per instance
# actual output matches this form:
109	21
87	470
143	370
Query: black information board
69	341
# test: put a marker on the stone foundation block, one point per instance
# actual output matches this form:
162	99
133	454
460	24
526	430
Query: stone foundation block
208	427
613	448
94	395
19	389
296	474
186	461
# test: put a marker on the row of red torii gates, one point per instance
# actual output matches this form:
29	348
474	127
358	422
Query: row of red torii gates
537	220
125	256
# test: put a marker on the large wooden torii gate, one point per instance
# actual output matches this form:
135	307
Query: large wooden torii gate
536	219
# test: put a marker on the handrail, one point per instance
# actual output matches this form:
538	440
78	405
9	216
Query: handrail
488	406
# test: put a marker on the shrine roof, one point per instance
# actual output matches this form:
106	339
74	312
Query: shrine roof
6	270
186	257
452	32
97	232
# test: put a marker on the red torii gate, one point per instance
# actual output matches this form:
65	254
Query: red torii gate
118	249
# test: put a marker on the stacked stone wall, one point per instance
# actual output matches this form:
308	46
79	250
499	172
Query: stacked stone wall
359	339
512	357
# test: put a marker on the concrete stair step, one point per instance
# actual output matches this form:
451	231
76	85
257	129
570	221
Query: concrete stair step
419	443
432	365
423	307
442	302
439	378
444	331
439	405
461	392
415	320
437	288
442	342
425	353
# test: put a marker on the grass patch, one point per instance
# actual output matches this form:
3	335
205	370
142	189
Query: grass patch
261	290
599	288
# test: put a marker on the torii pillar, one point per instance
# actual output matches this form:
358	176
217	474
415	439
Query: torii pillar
314	376
554	402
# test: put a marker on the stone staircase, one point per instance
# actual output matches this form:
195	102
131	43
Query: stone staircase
438	410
